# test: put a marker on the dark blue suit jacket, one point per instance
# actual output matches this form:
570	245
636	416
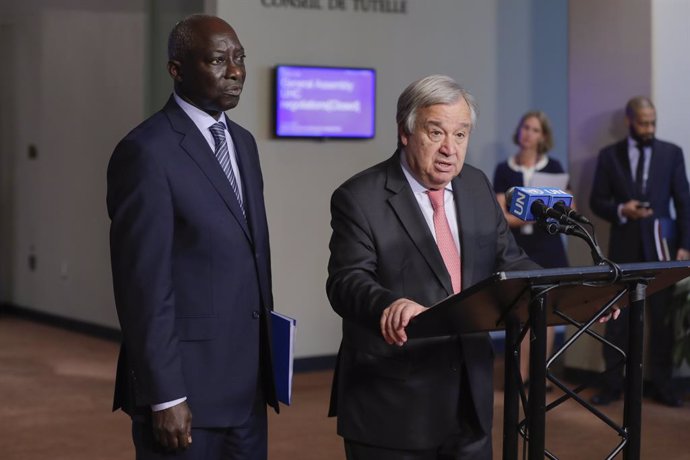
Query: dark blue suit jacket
191	276
613	184
381	250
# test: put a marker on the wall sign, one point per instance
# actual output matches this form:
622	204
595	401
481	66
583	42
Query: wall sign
364	6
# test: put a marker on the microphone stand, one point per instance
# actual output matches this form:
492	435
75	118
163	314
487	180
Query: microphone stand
555	221
569	226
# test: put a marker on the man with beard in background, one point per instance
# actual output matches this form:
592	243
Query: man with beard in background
635	180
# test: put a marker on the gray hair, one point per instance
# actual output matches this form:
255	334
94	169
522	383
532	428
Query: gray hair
637	103
428	91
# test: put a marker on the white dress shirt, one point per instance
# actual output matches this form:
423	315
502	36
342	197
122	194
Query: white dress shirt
634	159
420	193
203	122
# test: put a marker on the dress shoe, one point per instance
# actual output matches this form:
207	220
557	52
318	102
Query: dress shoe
667	399
605	397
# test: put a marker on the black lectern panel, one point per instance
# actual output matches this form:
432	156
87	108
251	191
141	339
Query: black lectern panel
579	293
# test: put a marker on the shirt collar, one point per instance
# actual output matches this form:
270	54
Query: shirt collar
201	119
632	144
541	164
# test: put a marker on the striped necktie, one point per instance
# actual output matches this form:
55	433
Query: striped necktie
223	156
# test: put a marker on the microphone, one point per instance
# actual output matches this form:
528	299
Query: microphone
553	228
521	200
561	207
550	208
533	203
544	213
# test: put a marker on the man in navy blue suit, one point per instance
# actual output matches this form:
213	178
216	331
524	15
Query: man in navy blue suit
635	180
190	262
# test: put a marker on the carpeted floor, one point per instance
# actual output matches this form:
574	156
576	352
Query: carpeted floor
56	389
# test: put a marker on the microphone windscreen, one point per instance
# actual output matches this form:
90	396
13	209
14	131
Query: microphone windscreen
509	195
559	196
522	200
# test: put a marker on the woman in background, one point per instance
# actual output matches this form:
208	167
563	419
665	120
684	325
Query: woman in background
534	138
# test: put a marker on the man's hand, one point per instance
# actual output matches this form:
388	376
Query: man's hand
632	210
395	319
613	314
682	254
172	427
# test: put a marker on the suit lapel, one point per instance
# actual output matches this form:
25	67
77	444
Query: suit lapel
249	172
405	206
624	161
194	144
654	160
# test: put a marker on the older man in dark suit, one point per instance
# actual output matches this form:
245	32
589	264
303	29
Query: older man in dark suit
634	183
190	261
407	233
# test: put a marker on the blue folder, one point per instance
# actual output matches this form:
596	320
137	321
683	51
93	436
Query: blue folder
664	238
283	343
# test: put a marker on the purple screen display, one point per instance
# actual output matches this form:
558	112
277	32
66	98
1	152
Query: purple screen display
325	102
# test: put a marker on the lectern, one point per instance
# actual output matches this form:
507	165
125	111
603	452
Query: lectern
578	296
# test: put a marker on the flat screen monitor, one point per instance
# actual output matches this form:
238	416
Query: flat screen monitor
324	102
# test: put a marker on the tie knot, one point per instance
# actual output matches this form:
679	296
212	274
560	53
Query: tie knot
218	130
437	198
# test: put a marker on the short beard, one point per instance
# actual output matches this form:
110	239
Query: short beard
639	140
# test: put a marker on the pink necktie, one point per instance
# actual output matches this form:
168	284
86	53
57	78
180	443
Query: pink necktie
444	238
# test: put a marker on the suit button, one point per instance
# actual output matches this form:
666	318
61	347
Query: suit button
255	314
